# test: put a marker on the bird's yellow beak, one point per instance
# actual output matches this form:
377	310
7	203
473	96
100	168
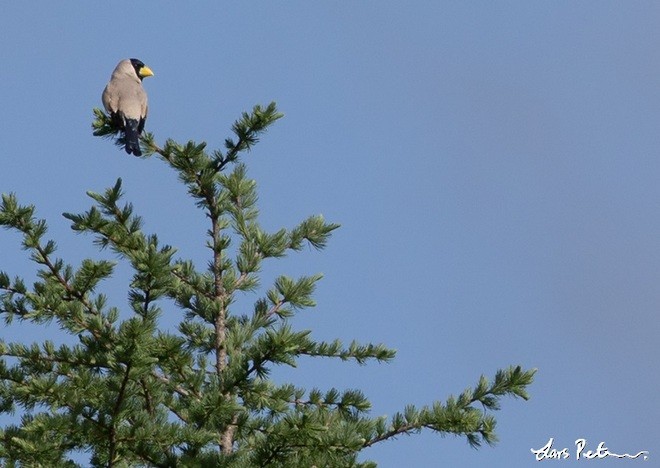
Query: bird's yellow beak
146	71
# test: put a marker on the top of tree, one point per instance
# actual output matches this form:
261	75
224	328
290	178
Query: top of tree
129	393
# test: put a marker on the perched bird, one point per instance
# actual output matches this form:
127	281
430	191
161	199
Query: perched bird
125	100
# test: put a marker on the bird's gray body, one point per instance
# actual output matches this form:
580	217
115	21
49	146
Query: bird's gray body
125	100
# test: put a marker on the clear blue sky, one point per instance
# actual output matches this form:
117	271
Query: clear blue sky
494	166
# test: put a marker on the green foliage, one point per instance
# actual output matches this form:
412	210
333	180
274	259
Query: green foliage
132	394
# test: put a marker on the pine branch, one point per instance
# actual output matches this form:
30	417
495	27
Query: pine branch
112	443
176	388
458	416
72	287
247	129
104	126
349	403
148	399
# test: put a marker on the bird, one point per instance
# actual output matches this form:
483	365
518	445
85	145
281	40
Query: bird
125	100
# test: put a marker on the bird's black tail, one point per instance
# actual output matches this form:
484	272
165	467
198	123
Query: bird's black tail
132	137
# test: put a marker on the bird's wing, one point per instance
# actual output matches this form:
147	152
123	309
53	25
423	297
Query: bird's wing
144	117
110	98
145	105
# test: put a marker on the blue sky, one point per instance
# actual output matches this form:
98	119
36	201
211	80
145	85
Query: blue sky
494	166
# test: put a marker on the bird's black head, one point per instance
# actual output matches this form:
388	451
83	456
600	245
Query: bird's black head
141	70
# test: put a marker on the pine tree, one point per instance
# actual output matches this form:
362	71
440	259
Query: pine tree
130	393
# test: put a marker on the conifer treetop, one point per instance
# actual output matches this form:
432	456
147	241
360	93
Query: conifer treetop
130	393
